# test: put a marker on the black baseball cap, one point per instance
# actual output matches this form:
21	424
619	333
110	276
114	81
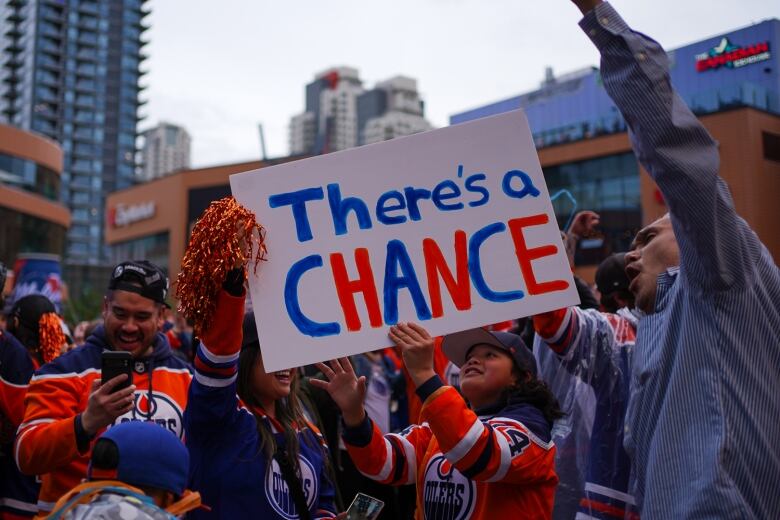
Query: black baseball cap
140	277
28	310
611	274
456	347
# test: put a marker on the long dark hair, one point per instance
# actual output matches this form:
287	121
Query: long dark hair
288	411
531	390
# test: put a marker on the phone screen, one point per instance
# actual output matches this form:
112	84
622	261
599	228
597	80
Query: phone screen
364	507
115	363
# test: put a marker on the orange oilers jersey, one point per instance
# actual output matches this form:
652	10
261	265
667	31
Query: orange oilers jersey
49	443
498	465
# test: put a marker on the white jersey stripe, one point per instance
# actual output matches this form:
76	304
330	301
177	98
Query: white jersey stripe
466	443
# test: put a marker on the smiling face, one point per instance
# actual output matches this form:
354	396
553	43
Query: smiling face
130	321
653	251
487	372
267	388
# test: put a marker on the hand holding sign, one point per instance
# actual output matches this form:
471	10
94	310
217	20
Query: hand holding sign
417	349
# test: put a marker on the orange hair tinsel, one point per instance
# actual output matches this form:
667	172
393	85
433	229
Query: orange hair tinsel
213	250
50	336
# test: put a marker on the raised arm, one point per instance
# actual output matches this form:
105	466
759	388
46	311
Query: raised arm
716	246
390	459
587	343
212	396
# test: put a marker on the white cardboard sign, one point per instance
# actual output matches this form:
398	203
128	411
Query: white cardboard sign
451	228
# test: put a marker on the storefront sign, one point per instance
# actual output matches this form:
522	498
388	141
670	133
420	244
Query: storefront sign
123	215
452	229
726	54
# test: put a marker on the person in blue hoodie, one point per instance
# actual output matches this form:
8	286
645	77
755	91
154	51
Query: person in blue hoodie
258	457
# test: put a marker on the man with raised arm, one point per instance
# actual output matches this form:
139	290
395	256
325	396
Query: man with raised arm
702	425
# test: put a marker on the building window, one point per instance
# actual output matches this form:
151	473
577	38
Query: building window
771	146
153	248
22	233
606	185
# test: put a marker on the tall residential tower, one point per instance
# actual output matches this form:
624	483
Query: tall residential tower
70	70
340	114
166	149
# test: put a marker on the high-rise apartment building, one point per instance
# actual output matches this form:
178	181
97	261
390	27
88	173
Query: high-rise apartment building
329	123
70	71
340	114
166	149
392	109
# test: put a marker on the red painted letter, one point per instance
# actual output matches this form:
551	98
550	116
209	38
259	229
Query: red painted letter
435	265
525	256
347	288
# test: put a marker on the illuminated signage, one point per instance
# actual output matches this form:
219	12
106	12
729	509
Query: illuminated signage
726	54
124	215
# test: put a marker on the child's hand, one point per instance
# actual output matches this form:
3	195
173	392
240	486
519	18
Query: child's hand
417	349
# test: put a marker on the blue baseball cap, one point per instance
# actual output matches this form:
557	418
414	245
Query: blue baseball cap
456	347
149	455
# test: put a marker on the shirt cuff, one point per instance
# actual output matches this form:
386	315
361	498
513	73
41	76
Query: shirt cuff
425	390
82	437
602	23
360	435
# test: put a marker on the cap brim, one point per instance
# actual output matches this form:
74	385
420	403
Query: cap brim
456	345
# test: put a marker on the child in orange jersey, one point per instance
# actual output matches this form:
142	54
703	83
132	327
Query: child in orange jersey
492	459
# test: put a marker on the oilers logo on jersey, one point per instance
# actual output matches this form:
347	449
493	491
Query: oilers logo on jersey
278	493
448	494
158	408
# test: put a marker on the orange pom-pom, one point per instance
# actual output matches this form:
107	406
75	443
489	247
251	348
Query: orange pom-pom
50	336
214	249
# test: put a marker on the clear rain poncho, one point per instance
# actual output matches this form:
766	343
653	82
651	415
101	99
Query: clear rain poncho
585	361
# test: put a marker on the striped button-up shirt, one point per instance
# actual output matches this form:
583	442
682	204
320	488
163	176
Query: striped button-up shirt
703	419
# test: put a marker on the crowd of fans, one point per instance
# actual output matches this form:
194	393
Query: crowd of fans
656	397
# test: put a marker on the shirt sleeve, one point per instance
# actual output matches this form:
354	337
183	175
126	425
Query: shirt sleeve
500	449
716	246
389	459
212	403
46	439
16	369
587	343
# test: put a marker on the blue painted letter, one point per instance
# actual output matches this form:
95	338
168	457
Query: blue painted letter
528	185
397	257
475	267
298	200
304	324
339	209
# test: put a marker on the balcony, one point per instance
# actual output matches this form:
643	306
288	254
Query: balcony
46	29
50	47
85	86
49	14
48	62
88	70
89	8
49	79
89	39
88	23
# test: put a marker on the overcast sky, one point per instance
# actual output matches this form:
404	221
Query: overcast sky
219	68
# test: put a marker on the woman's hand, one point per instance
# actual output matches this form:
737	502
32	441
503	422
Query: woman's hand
417	350
345	388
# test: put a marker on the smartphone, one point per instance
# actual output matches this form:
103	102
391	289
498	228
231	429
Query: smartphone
115	363
364	507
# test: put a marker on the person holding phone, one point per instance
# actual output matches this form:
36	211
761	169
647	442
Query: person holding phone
69	403
491	458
